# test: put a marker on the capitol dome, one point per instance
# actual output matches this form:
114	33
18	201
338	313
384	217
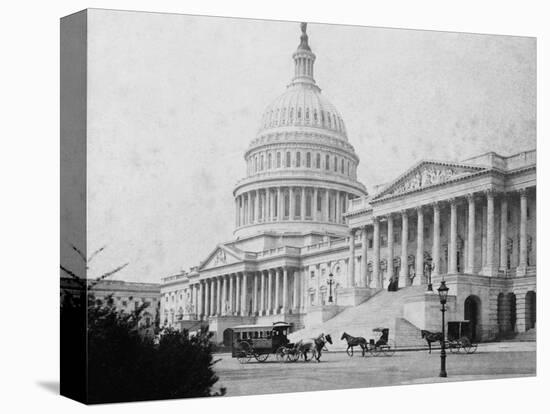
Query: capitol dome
302	104
301	171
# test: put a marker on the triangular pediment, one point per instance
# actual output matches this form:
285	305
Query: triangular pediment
427	174
220	256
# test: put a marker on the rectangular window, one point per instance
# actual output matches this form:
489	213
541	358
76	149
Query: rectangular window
370	243
298	158
327	162
278	160
288	159
335	164
318	161
308	160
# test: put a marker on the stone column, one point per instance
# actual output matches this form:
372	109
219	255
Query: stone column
262	293
213	297
277	283
238	294
452	238
295	295
219	293
338	208
503	233
375	283
236	211
327	205
243	215
436	241
250	209
351	266
471	233
419	261
490	261
390	247
318	277
522	231
207	289
285	290
200	312
404	270
224	296
256	206
281	204
314	204
244	299
364	260
255	294
272	205
269	292
231	290
291	204
303	206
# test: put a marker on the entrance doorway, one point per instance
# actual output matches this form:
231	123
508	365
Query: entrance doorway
513	317
227	337
530	310
472	307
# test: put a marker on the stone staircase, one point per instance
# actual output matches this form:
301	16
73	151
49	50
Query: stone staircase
384	309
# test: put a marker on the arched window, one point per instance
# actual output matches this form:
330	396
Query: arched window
307	114
256	164
327	162
319	201
269	161
335	164
315	116
308	204
342	166
288	159
278	160
299	114
318	161
322	118
308	160
349	171
287	204
298	159
291	114
261	162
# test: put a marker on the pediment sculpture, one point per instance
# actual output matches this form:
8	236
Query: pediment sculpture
426	176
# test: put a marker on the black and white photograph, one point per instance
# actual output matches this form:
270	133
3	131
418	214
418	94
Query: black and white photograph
281	204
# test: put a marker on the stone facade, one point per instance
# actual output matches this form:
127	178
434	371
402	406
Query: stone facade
127	296
310	241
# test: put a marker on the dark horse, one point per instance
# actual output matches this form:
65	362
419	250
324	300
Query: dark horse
313	345
431	337
354	341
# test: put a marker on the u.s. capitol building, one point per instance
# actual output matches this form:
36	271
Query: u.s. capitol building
313	248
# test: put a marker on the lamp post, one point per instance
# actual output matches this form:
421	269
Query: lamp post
443	290
429	267
330	282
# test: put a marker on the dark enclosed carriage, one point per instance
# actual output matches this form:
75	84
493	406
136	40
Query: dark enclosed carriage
460	337
259	341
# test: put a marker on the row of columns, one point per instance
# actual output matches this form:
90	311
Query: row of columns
227	295
490	264
268	205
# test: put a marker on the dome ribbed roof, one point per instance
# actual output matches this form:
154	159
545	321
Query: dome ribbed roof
303	105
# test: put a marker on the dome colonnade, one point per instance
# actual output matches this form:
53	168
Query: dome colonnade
300	167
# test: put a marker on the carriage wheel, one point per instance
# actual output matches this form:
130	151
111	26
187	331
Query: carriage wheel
281	354
389	348
293	355
454	348
350	351
471	349
244	354
261	357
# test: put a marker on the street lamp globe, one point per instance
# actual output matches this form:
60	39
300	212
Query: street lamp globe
442	291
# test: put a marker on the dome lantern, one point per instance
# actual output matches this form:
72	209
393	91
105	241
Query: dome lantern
303	60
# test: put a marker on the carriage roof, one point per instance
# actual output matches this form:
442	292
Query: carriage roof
261	327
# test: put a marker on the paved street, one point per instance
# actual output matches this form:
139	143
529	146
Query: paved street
337	370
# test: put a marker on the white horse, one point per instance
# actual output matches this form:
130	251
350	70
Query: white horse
313	345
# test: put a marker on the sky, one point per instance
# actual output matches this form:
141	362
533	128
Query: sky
174	101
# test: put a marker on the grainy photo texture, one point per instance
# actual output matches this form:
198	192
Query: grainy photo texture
253	207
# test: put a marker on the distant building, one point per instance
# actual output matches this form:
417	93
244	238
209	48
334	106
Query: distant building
127	296
310	243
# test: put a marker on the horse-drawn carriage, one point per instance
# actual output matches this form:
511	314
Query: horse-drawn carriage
260	341
380	345
460	337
